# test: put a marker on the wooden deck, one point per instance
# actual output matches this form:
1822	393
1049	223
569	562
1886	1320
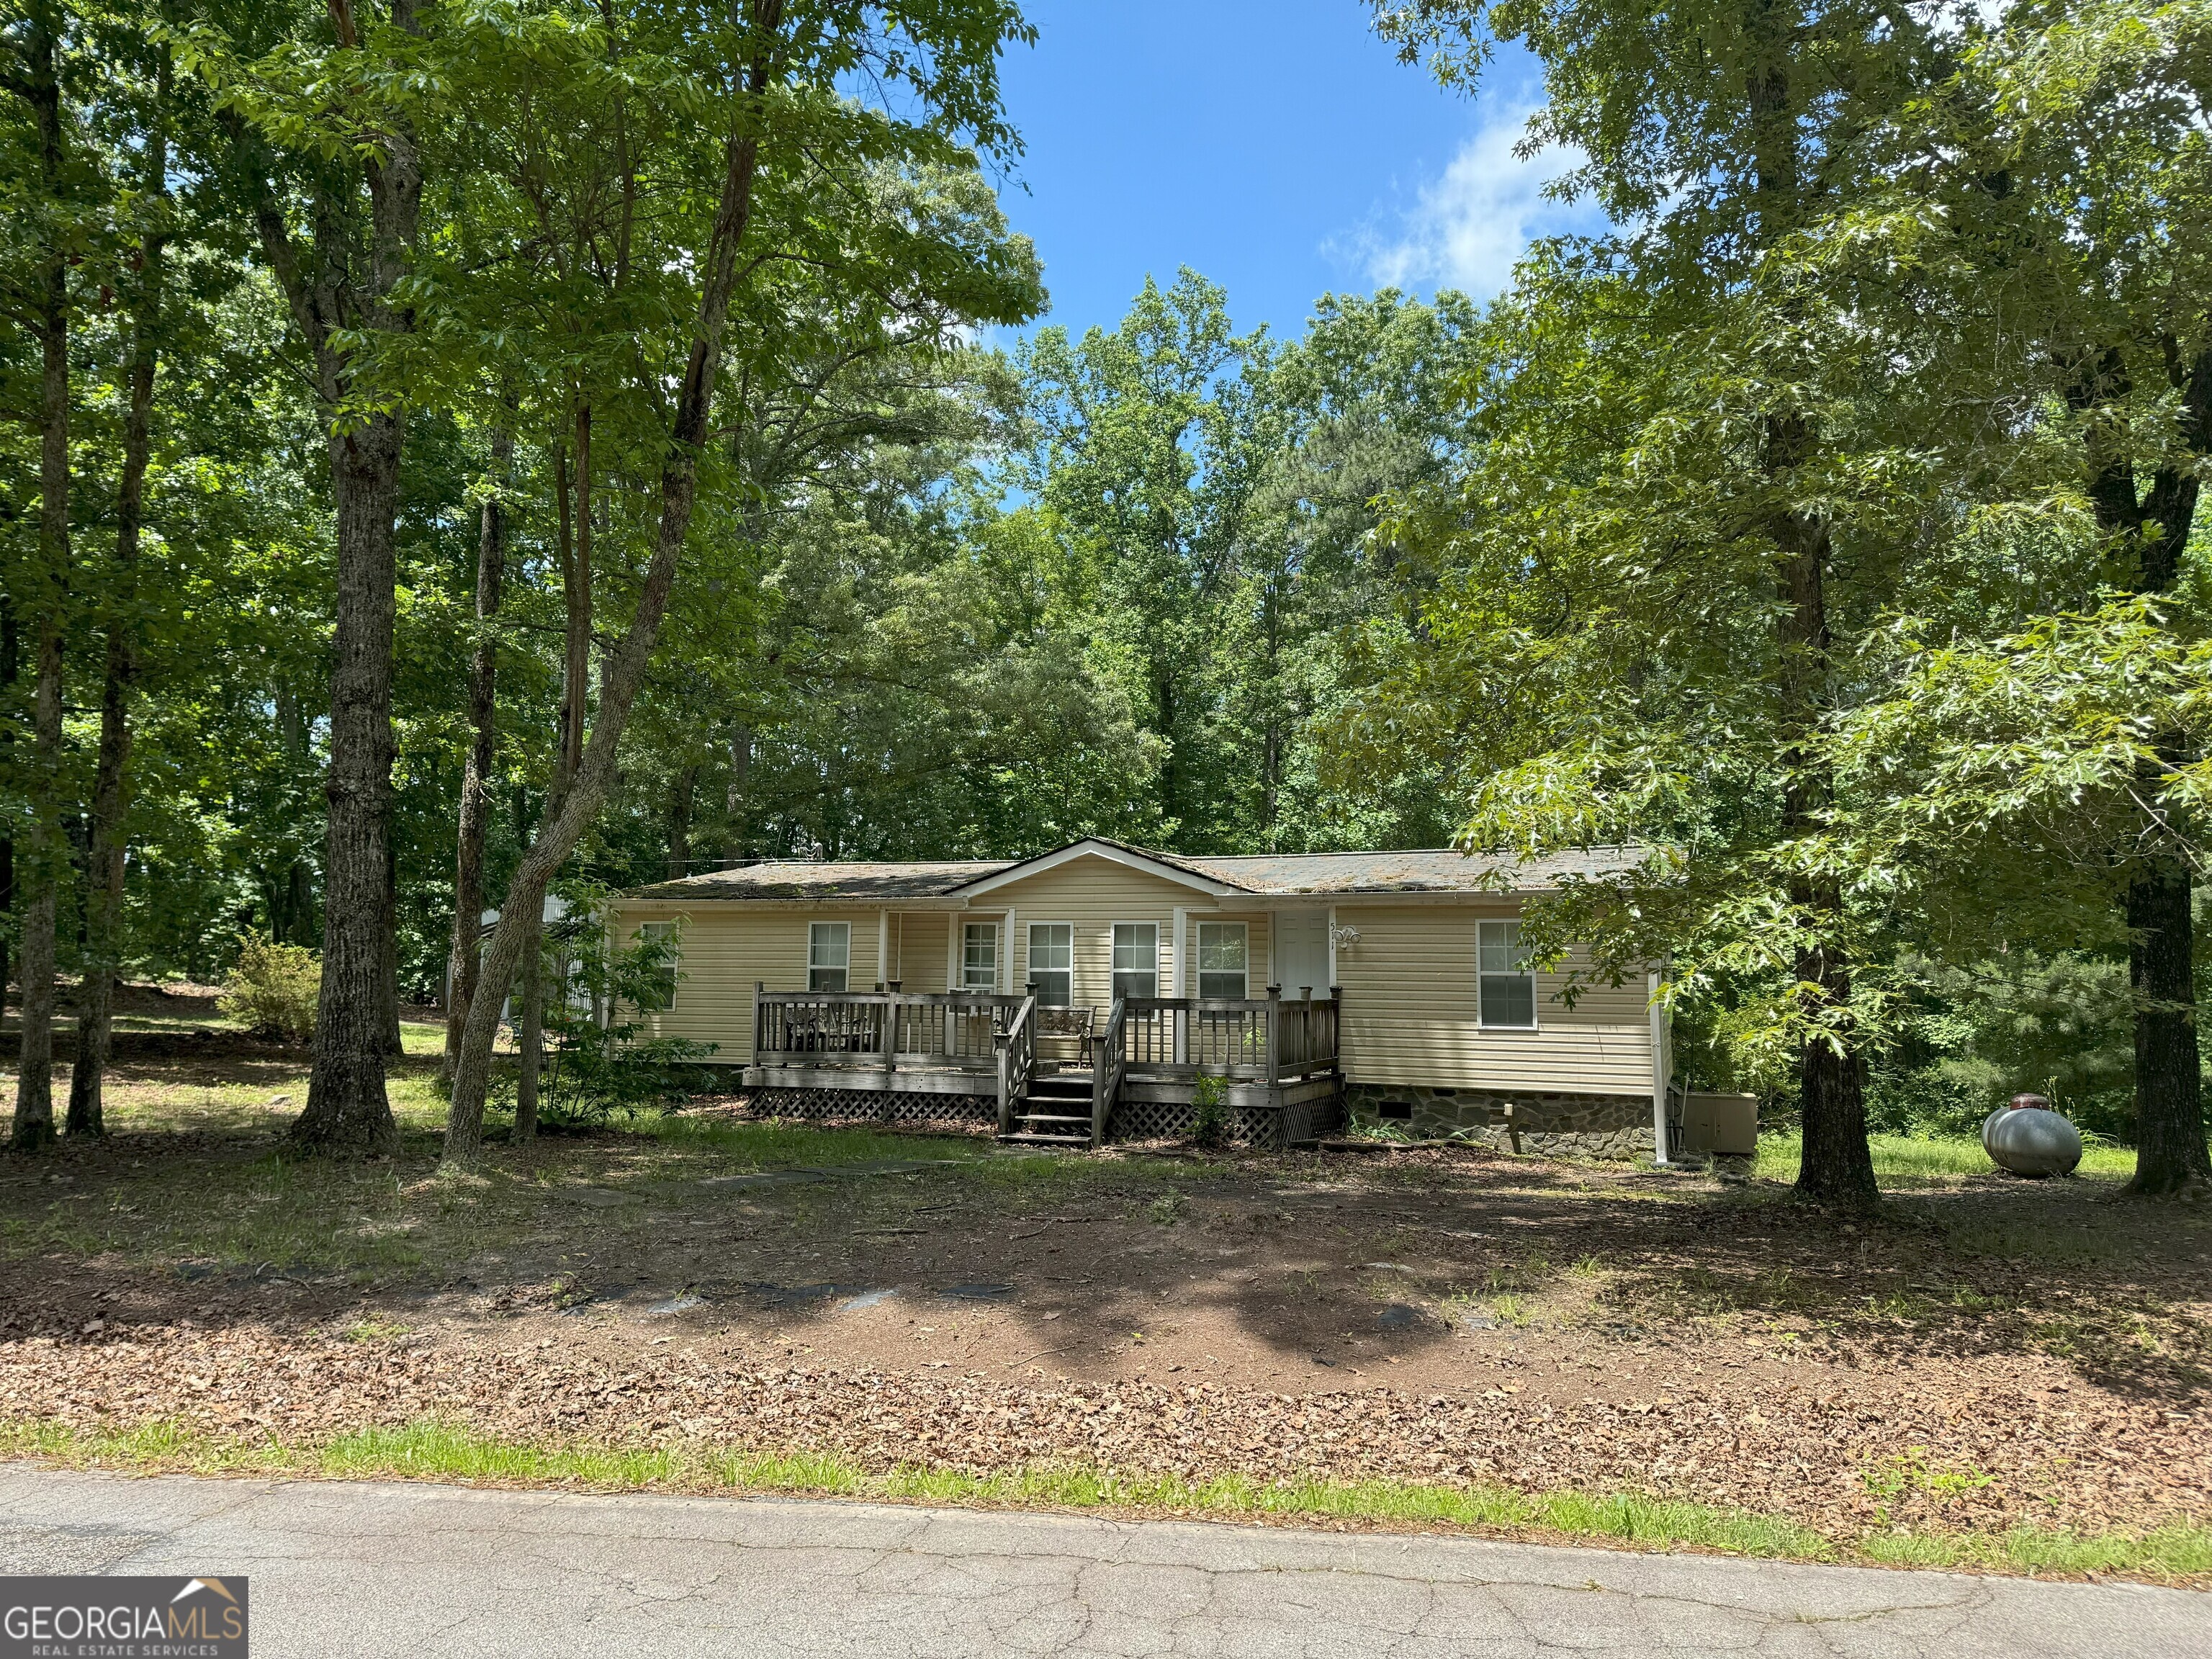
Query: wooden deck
1142	1062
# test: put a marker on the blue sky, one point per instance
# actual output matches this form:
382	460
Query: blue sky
1276	146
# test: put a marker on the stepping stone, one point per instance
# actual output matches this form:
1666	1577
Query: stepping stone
978	1293
677	1304
865	1299
1398	1316
767	1178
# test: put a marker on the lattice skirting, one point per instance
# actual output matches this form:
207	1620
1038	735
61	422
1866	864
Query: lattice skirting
1267	1127
873	1105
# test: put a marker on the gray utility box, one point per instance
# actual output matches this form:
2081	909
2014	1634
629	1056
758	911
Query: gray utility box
1726	1124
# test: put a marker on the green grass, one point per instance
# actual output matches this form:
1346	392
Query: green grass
1904	1159
442	1451
786	1146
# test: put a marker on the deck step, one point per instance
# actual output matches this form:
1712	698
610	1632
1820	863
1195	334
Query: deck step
1020	1138
1056	1117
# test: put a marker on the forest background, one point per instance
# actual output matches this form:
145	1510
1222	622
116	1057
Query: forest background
1827	521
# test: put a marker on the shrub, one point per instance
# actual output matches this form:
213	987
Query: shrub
274	988
594	1073
1210	1094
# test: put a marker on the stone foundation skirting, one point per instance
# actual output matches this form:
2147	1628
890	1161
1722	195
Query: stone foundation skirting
873	1105
1588	1125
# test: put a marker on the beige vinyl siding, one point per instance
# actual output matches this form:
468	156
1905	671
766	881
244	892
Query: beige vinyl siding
919	961
1091	893
725	949
1411	1012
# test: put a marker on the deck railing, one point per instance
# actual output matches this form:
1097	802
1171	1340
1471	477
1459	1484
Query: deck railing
1107	1066
956	1030
1016	1062
1261	1039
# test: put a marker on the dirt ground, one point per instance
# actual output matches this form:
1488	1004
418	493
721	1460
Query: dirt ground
1988	1353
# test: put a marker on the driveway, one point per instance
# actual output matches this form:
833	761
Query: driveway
375	1568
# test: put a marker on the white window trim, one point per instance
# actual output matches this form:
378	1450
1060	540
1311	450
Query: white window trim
1197	957
1158	978
962	924
1029	966
1535	1003
810	962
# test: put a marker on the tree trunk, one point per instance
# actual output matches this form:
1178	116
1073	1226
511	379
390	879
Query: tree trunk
2170	1149
624	671
1838	1166
345	287
347	1110
679	821
737	844
10	666
41	878
466	957
395	1042
530	1034
574	548
110	793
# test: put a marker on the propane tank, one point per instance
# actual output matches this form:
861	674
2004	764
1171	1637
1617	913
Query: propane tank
2027	1137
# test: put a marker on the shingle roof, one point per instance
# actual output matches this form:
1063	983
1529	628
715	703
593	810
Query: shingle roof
795	880
1441	870
1438	870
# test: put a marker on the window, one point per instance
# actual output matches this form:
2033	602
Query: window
1221	959
657	989
979	957
1509	988
1136	959
829	954
1052	963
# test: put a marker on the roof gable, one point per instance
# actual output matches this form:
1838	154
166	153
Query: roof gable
1112	852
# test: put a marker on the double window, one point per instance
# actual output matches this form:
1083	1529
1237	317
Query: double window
1052	963
828	955
1222	958
1508	983
979	956
656	992
1136	959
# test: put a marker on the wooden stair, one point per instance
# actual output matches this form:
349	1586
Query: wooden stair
1056	1112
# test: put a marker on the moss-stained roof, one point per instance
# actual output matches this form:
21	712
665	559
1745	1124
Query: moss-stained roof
1271	874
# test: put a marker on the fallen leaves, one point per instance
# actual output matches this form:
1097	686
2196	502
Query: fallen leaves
1808	1456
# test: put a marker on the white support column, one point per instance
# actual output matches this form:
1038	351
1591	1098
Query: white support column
1006	955
884	947
1662	1072
1335	979
953	939
1176	976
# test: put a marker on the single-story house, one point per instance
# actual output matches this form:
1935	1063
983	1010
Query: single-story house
1089	991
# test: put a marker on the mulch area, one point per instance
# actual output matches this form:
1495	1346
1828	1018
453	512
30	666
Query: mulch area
1838	1459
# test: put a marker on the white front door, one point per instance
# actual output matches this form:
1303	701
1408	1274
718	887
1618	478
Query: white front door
1302	951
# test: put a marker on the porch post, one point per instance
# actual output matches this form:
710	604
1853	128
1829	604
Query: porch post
759	986
1662	1073
1179	1018
1274	1035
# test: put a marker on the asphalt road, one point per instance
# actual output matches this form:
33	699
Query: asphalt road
346	1569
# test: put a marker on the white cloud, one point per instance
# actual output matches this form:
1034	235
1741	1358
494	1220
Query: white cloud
1466	228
